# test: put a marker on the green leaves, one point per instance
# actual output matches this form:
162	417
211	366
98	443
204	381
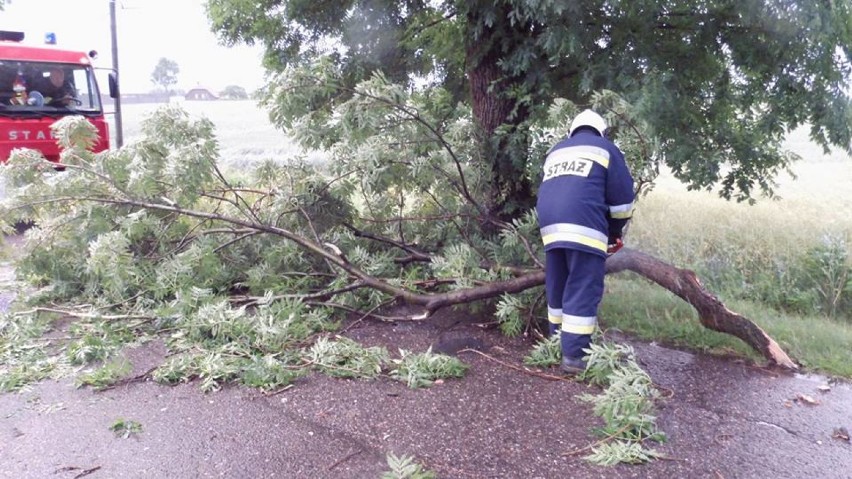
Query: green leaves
74	134
715	84
346	358
268	373
509	314
626	405
125	428
165	73
421	370
546	353
23	355
111	263
616	452
406	467
106	375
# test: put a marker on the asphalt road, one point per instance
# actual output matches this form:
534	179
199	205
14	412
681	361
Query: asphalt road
724	420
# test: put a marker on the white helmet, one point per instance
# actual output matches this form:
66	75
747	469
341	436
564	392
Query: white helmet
590	119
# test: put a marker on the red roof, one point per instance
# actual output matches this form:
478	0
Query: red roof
12	50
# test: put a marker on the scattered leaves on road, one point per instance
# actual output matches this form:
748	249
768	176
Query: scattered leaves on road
805	399
125	428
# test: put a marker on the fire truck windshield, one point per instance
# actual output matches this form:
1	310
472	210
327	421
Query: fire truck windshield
47	88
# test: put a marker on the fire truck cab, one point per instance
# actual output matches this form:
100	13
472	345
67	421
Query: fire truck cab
39	85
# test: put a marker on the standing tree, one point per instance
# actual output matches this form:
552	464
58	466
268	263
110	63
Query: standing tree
234	92
719	83
165	74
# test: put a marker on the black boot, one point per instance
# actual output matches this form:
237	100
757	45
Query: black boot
573	366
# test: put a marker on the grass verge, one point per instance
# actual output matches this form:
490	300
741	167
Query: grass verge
652	313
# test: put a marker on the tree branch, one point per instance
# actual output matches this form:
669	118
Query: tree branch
684	283
318	296
414	115
415	255
711	312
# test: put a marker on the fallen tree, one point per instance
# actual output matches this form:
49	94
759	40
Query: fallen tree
436	116
139	229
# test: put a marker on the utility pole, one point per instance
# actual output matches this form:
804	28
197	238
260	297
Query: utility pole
119	136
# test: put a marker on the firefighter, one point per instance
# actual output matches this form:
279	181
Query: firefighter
584	202
57	91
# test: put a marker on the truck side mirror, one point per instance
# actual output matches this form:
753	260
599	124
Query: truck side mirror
113	85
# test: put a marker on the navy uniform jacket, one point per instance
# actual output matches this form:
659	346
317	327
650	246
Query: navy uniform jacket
586	195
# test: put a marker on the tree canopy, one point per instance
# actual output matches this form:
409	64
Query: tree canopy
165	73
719	83
234	92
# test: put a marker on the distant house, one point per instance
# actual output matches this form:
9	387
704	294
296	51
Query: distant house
200	94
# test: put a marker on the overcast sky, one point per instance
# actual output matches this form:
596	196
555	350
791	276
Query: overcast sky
147	31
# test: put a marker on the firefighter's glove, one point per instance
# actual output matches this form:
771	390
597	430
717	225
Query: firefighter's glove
613	248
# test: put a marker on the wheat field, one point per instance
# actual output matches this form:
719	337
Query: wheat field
244	132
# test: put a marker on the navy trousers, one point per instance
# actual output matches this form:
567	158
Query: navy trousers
574	284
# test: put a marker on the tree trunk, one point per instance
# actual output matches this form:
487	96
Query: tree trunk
509	190
711	312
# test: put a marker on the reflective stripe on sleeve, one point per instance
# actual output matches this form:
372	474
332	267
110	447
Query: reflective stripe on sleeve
578	324
574	234
621	211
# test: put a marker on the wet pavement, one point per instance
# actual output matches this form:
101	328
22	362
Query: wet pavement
724	420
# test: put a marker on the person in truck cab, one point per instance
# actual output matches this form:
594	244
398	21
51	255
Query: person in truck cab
14	87
56	90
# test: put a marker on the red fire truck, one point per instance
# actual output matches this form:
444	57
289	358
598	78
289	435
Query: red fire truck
40	84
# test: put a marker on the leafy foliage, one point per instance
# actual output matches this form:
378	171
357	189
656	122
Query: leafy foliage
626	405
828	270
97	341
212	368
106	375
405	467
547	352
165	73
125	428
346	358
421	370
718	83
617	452
23	355
234	92
268	373
238	275
509	315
